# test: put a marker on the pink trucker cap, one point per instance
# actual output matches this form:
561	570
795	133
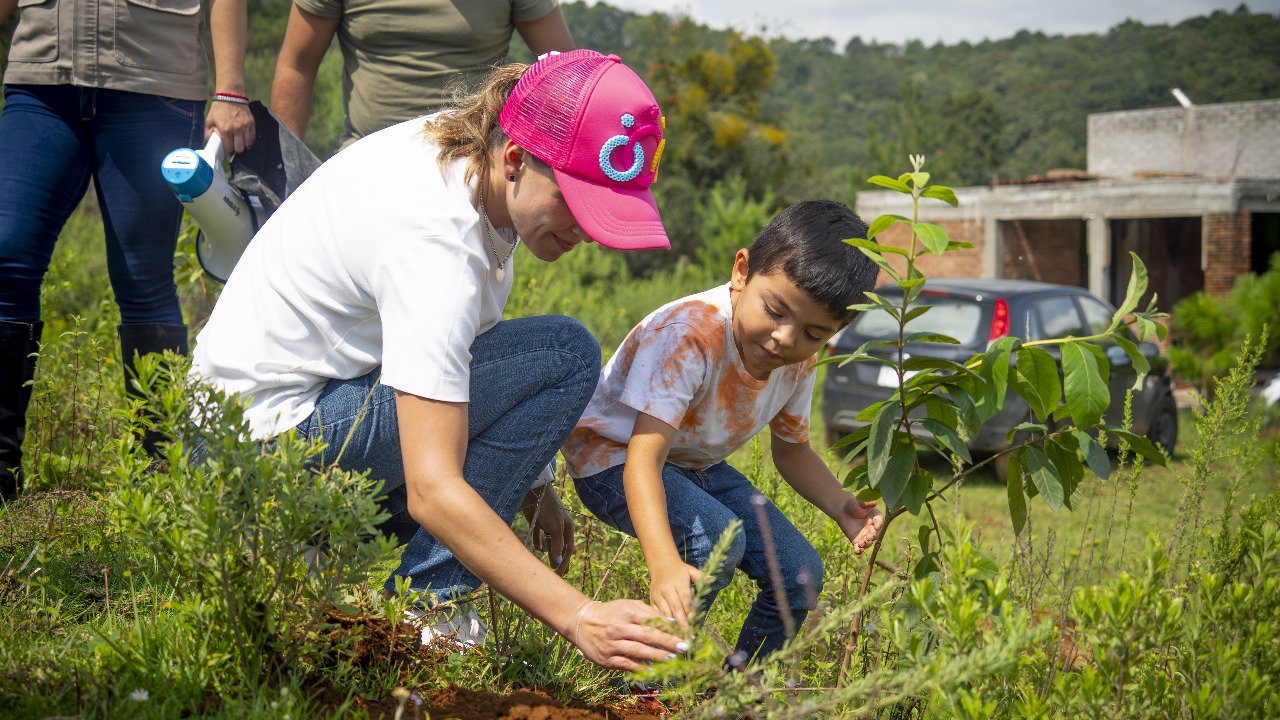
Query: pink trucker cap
593	120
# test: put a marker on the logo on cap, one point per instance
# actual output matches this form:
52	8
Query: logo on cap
635	135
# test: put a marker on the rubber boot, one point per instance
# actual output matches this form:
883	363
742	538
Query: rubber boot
18	345
144	339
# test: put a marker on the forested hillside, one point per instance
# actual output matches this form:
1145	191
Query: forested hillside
800	118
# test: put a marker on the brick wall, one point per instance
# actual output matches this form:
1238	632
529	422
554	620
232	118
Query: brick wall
957	263
1227	237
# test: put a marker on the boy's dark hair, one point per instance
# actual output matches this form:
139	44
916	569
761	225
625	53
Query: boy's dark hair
806	242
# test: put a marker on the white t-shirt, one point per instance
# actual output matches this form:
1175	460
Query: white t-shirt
375	260
681	366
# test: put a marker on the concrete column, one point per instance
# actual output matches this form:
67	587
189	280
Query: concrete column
992	252
1099	249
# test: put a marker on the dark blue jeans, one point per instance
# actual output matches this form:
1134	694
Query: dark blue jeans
700	506
53	140
531	378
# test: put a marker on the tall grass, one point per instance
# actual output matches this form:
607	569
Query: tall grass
102	615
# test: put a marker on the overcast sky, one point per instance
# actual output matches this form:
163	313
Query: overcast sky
895	21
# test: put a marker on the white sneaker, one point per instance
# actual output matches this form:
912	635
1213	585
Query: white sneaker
455	623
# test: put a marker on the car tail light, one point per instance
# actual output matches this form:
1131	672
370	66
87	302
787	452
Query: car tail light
1000	321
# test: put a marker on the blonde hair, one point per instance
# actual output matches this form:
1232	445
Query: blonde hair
471	129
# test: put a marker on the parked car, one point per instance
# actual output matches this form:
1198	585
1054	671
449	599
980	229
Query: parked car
977	313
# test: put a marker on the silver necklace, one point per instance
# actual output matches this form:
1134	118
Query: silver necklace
499	273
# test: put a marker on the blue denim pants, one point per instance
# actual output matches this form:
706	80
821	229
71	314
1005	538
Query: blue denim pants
53	140
700	506
531	378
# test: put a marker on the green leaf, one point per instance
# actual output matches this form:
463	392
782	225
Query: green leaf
920	362
1017	499
1086	390
858	434
881	263
941	410
930	337
1043	475
1028	427
917	490
949	438
1094	454
1068	465
965	410
871	412
919	179
916	312
897	472
881	439
888	182
943	193
1100	357
959	245
1137	288
882	301
869	245
1140	445
933	236
1036	369
856	479
882	223
995	371
1140	363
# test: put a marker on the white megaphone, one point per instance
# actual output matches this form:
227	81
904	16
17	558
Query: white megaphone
227	221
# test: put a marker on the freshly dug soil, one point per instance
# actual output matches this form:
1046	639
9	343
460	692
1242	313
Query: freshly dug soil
520	705
378	641
461	704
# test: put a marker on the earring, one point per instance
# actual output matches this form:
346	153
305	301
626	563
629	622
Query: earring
511	177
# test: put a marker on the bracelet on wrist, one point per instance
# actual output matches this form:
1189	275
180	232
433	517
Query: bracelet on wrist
230	98
581	614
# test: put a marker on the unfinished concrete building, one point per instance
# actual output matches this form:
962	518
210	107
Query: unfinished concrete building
1194	191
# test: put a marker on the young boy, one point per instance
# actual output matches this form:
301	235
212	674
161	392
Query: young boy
695	381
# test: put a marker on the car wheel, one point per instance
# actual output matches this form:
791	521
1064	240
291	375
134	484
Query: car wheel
1164	426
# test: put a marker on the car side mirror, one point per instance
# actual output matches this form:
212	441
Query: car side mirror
1117	356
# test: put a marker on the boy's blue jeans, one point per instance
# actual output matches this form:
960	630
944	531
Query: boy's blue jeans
700	506
531	378
53	139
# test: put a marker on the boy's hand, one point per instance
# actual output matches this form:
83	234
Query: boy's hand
551	526
670	591
861	522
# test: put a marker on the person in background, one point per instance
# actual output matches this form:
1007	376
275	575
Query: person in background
401	60
383	334
693	383
102	90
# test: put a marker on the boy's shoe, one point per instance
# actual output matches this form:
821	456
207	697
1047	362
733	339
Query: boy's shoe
646	694
455	623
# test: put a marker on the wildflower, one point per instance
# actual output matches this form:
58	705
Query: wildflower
139	695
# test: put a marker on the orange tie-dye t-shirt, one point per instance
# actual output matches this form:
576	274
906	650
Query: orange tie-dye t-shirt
681	366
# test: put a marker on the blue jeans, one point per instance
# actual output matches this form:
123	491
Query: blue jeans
531	378
53	140
700	506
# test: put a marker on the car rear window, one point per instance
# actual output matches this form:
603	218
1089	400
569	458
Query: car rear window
957	317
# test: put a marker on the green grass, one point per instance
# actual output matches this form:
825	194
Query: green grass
85	619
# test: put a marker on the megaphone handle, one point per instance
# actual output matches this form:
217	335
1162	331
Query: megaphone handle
213	149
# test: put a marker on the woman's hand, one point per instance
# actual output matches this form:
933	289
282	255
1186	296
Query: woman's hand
233	122
671	590
551	526
861	522
623	635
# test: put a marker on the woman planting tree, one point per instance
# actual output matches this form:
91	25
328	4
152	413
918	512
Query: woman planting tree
367	312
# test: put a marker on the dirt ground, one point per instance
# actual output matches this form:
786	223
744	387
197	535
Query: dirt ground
376	640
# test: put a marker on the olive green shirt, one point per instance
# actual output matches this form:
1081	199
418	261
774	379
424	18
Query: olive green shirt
146	46
406	58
